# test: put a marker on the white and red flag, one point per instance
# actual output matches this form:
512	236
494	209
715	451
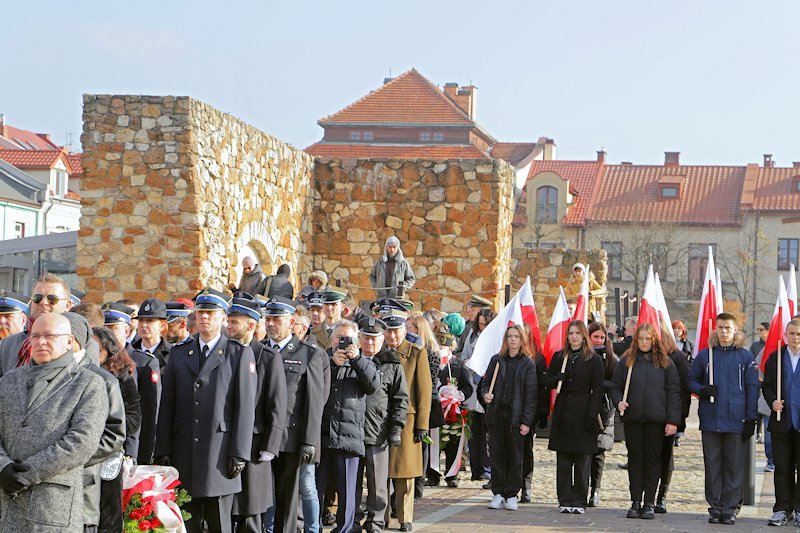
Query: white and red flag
663	312
528	309
708	306
791	291
777	327
557	331
582	303
648	309
491	340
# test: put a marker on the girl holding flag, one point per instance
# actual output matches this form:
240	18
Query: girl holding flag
576	375
510	394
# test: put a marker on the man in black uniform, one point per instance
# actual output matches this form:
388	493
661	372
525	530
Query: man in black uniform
177	323
147	347
207	415
302	363
257	491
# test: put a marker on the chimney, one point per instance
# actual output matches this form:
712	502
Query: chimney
796	164
768	162
463	97
626	163
387	80
601	156
672	159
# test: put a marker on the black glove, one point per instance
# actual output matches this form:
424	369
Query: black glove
235	466
749	429
542	423
561	376
163	460
420	434
394	436
307	454
708	391
10	479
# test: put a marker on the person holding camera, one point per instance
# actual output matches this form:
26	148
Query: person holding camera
353	378
384	420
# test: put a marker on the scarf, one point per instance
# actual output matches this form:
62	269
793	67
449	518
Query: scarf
40	376
24	353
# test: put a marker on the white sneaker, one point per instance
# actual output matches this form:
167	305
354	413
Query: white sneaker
563	509
497	502
511	503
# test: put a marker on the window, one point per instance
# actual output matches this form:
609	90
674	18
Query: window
438	136
58	182
547	205
698	260
19	230
669	192
787	253
658	257
355	135
796	184
614	256
425	136
367	135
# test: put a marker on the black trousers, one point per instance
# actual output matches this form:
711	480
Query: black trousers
505	451
478	450
786	456
285	468
527	463
667	460
111	505
572	478
644	442
215	512
248	524
722	454
419	482
598	464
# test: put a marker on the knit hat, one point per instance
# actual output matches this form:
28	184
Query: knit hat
80	328
455	323
393	240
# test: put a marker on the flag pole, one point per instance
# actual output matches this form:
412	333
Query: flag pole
778	414
627	386
563	370
710	360
494	376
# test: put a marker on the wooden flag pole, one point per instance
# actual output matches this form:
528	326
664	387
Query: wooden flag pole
563	369
494	377
780	368
710	360
627	386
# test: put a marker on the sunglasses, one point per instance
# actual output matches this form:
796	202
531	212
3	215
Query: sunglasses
52	299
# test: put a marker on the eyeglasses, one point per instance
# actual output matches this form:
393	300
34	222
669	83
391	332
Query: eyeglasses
760	330
52	299
49	337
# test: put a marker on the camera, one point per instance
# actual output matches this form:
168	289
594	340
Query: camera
344	342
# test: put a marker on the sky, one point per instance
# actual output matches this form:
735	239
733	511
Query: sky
716	80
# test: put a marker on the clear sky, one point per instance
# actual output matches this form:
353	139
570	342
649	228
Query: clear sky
716	80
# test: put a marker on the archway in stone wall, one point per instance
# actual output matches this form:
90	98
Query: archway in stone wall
255	241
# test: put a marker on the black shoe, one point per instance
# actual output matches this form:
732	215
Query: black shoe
677	444
452	483
487	485
393	513
648	512
661	507
635	511
525	498
727	519
713	519
431	482
594	498
328	519
624	467
406	526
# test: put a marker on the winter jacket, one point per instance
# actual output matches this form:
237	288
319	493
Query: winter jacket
574	418
277	285
343	417
379	277
654	395
736	376
770	390
605	440
682	365
387	407
252	283
524	394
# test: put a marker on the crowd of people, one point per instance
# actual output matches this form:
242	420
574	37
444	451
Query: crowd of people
274	407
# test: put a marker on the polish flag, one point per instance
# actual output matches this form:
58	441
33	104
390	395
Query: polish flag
791	292
648	309
491	340
663	312
708	306
777	328
582	303
557	332
528	309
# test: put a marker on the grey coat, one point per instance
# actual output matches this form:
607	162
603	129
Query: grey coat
55	437
252	283
379	277
9	348
388	406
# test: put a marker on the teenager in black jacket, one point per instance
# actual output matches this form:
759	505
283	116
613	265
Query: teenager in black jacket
574	422
605	440
510	413
651	410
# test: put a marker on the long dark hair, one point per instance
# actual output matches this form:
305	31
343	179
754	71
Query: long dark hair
608	361
488	314
118	357
587	351
658	355
524	348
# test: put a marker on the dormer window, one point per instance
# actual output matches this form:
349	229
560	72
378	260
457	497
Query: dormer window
669	192
796	184
669	187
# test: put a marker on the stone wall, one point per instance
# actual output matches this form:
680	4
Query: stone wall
453	219
551	268
172	188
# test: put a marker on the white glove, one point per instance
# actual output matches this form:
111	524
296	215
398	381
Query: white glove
266	456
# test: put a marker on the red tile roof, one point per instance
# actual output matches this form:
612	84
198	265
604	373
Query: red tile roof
582	176
75	163
630	194
12	138
774	190
393	151
35	159
512	152
408	99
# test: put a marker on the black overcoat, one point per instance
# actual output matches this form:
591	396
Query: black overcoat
305	394
148	380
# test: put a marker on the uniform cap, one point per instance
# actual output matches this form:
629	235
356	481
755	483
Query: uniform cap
279	306
371	327
211	300
116	313
11	303
177	310
245	307
479	301
76	296
394	318
314	299
387	304
152	308
333	295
